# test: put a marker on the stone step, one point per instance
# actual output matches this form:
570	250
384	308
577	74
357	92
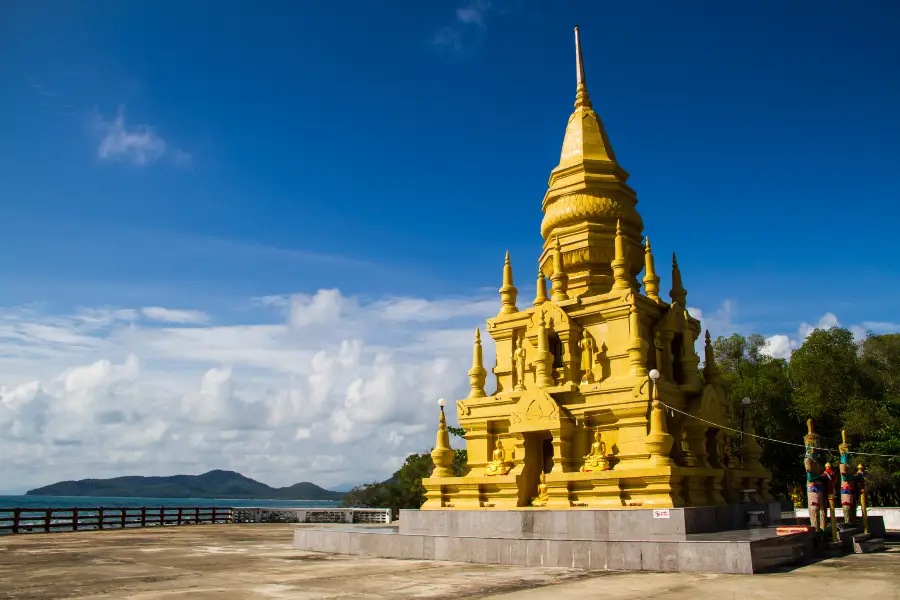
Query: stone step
867	545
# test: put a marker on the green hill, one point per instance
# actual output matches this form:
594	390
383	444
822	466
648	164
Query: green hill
215	484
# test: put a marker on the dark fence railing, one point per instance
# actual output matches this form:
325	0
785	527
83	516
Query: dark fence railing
47	520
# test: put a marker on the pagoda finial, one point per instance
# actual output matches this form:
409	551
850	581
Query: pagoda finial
559	280
477	373
508	292
678	294
651	279
619	264
541	295
582	100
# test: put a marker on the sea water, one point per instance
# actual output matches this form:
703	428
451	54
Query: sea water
7	502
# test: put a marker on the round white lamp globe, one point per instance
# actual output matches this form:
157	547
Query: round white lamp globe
746	401
441	402
654	375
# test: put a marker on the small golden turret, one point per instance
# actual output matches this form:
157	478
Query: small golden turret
442	455
559	280
689	360
710	368
477	373
678	294
508	292
541	295
651	279
543	365
619	263
637	349
659	440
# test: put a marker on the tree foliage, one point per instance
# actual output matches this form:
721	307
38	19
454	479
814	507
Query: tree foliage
842	384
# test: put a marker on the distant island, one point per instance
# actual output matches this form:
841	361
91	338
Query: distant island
215	484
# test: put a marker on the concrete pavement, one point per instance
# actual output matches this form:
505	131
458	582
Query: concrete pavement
256	561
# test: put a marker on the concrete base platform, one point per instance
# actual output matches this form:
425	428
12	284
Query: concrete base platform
749	551
684	540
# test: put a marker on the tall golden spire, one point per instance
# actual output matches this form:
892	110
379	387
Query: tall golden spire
582	100
678	294
477	373
651	279
508	291
586	195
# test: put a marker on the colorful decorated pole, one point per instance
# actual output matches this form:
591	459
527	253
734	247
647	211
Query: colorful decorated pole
848	494
815	481
861	482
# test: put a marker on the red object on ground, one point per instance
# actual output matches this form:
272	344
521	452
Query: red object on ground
792	529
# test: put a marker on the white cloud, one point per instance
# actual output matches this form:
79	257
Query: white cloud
135	144
327	390
168	315
782	345
469	24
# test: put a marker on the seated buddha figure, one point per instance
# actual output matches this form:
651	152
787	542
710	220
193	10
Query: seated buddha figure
596	459
542	496
498	464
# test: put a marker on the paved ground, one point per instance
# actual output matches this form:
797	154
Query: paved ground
244	562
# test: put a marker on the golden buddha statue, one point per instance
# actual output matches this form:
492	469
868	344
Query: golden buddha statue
542	496
596	459
519	355
587	357
687	456
498	464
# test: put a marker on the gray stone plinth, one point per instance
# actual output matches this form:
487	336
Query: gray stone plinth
585	524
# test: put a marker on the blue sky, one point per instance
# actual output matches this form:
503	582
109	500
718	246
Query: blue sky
199	156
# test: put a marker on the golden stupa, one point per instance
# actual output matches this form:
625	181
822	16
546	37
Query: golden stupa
576	419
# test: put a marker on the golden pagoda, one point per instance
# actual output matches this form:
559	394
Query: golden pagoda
587	378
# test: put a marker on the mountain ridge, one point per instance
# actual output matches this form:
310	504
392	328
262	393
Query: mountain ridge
213	484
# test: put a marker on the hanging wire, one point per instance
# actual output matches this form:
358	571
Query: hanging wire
760	437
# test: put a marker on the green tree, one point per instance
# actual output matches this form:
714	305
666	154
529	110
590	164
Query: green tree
853	386
747	372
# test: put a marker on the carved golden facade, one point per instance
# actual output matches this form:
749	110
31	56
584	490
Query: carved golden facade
552	401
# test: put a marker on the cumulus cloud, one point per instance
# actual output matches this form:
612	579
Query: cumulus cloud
782	345
138	145
329	388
